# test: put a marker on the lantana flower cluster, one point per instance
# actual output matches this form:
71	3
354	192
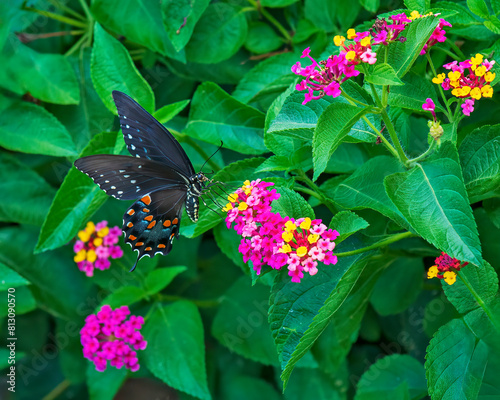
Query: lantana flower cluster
469	80
326	76
446	268
270	239
110	336
96	244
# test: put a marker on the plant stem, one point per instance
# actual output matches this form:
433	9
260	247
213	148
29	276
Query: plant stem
456	48
385	88
423	155
446	51
75	47
54	393
393	135
57	17
30	37
382	137
479	300
449	115
62	7
86	10
272	20
198	303
353	100
308	191
383	242
315	188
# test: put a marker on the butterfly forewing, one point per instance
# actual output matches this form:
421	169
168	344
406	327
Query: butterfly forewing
147	138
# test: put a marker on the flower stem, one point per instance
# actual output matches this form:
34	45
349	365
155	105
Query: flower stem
54	393
446	51
456	48
57	17
431	64
272	20
301	175
381	243
77	45
382	137
394	137
62	7
310	192
353	100
423	155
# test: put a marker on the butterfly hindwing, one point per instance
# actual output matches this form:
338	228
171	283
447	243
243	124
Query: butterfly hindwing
127	178
147	138
152	222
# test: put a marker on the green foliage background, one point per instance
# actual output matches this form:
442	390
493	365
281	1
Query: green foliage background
371	327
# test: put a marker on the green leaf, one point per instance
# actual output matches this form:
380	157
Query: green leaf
397	373
219	34
383	74
160	278
48	77
398	287
414	93
419	5
180	18
10	278
323	13
291	204
402	55
176	351
347	223
365	188
277	3
312	383
24	301
333	125
241	322
480	159
433	199
42	133
32	198
245	387
215	116
124	296
228	241
300	312
125	16
104	385
75	201
455	363
166	113
483	280
262	38
112	68
479	8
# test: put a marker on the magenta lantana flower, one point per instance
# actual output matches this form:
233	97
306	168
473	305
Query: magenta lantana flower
446	268
110	336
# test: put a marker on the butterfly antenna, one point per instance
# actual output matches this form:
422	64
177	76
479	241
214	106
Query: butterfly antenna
215	152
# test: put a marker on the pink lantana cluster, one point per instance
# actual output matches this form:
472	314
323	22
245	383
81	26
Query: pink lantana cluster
95	245
109	336
266	237
438	36
446	268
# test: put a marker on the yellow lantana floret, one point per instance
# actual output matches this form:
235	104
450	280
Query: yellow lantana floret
290	226
450	277
80	256
439	79
242	206
228	207
302	251
433	272
366	41
103	232
287	236
480	71
414	15
475	93
84	236
285	249
97	242
487	91
313	238
338	40
454	75
306	224
232	197
351	34
489	76
91	256
475	61
351	55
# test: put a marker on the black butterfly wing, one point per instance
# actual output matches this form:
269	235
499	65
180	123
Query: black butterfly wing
152	222
147	138
127	178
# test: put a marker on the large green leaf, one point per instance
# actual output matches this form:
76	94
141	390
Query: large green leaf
323	13
180	18
300	312
215	116
48	77
433	199
365	188
480	159
112	68
76	200
139	21
176	352
455	363
10	278
398	376
32	194
333	126
219	34
29	128
261	38
312	383
346	223
241	322
383	74
291	204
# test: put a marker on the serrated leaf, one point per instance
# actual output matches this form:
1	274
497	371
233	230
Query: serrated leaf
33	194
383	74
455	363
215	116
180	18
365	188
160	278
112	68
219	34
480	159
433	199
291	204
176	351
414	93
241	322
48	77
333	125
42	133
419	5
347	223
75	201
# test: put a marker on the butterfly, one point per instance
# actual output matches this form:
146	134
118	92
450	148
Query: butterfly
160	178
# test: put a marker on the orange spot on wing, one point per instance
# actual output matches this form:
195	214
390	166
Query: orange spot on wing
146	200
131	212
148	249
132	237
151	224
167	223
130	224
149	218
138	244
175	221
161	246
146	210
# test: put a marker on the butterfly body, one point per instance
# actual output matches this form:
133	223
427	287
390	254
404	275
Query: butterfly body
160	177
